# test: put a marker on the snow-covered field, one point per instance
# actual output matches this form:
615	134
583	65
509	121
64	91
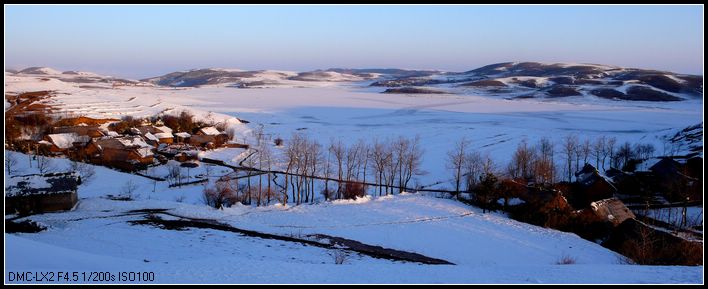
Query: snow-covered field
351	111
486	248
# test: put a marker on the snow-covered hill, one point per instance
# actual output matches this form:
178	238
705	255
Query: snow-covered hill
254	79
487	248
558	80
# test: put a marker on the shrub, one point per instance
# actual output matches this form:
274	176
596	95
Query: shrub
354	189
125	123
566	260
220	195
339	257
128	189
278	141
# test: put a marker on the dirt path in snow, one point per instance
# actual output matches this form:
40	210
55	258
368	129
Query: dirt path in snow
318	240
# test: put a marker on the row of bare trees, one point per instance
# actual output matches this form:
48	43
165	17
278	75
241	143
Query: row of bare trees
391	163
539	162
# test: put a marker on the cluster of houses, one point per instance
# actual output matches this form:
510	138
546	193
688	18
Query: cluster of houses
139	147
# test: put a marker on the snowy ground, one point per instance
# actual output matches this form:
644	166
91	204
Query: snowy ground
674	216
352	111
486	248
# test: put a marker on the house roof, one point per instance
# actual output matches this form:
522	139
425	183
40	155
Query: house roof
80	129
151	137
55	183
182	134
164	129
589	175
612	210
163	135
127	142
66	140
209	130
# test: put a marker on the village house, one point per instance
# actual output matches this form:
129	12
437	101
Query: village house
612	210
208	137
39	193
64	142
157	134
128	152
182	137
590	186
92	131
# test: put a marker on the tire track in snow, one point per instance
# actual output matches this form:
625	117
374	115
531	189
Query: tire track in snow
420	220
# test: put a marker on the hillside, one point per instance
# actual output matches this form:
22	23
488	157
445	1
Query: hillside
101	234
542	80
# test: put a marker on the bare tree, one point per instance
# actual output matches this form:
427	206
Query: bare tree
544	165
522	162
379	160
10	163
456	161
44	164
586	149
570	146
409	154
338	151
598	149
128	189
623	156
327	174
473	169
174	173
610	148
85	170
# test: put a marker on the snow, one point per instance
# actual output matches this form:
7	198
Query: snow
151	136
41	70
674	216
96	233
210	130
487	248
512	201
65	140
97	236
351	111
163	135
33	181
182	134
164	129
674	78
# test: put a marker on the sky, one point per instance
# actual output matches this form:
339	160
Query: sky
140	41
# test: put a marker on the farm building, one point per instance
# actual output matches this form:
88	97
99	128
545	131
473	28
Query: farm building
182	137
92	131
590	186
612	210
677	180
129	152
41	193
208	137
156	134
62	142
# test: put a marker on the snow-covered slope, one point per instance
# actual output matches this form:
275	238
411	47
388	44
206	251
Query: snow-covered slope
254	79
486	248
558	80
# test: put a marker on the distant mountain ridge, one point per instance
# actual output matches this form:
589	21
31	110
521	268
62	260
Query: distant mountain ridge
512	80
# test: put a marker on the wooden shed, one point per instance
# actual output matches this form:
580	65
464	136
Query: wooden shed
39	193
129	152
612	210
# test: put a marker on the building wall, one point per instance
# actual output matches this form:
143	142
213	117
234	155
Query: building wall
40	203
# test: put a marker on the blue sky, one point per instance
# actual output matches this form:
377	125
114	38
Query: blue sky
141	41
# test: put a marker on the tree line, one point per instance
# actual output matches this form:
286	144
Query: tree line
392	163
